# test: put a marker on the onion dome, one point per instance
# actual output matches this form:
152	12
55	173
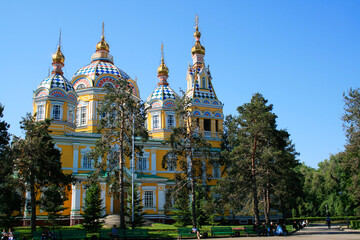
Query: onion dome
58	57
101	69
197	48
56	85
163	91
103	45
163	69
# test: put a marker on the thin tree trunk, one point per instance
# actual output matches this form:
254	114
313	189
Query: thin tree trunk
268	203
266	213
33	204
253	182
121	162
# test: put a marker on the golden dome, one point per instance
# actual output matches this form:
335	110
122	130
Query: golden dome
102	45
163	69
58	57
197	48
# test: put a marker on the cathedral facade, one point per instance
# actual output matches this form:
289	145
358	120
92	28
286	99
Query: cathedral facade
72	106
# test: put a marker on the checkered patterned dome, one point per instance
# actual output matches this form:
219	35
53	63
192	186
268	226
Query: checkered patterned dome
97	68
162	92
56	80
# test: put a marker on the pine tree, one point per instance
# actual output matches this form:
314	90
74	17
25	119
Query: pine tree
119	109
191	150
10	191
92	209
37	161
181	207
52	202
139	219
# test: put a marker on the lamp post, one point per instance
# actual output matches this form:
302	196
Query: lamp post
133	171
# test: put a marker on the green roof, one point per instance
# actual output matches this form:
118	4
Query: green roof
140	175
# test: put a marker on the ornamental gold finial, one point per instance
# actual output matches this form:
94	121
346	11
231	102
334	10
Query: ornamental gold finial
103	45
162	70
197	48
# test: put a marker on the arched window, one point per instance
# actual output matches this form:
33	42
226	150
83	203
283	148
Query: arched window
203	82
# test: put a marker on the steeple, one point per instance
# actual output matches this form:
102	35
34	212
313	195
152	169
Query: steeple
197	51
163	71
102	45
58	59
102	49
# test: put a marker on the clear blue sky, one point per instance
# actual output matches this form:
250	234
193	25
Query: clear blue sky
301	55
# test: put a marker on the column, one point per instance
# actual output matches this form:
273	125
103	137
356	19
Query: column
161	198
103	197
27	213
75	157
75	204
153	161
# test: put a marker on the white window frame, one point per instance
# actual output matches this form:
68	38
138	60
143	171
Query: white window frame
149	199
84	158
158	122
40	115
172	167
142	161
216	170
203	82
168	116
71	115
56	112
150	189
81	116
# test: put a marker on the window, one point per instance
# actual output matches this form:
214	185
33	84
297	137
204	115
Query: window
216	125
142	164
216	170
86	162
170	121
203	82
80	86
81	116
40	114
56	112
207	125
156	122
70	117
149	199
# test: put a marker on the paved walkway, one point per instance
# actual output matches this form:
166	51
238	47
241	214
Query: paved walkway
315	232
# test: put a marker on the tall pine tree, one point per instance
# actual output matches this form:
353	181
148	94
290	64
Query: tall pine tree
139	219
37	161
119	109
190	150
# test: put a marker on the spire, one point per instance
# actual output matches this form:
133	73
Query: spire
163	71
58	59
102	45
197	48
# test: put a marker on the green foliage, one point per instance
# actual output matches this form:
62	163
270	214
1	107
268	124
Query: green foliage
119	109
52	202
191	152
139	219
37	161
181	208
92	209
10	191
259	160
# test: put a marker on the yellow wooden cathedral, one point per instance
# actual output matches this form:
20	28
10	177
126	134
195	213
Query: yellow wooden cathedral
72	106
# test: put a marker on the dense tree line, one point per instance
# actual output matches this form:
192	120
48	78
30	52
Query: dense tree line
334	188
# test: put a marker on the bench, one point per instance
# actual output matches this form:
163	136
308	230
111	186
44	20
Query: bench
222	231
187	232
249	230
137	233
72	234
38	234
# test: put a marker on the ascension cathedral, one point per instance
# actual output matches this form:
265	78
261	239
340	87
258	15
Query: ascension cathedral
72	106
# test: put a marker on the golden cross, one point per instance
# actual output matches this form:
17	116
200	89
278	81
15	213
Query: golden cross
60	38
196	21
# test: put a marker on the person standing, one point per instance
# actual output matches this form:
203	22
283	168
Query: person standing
328	221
